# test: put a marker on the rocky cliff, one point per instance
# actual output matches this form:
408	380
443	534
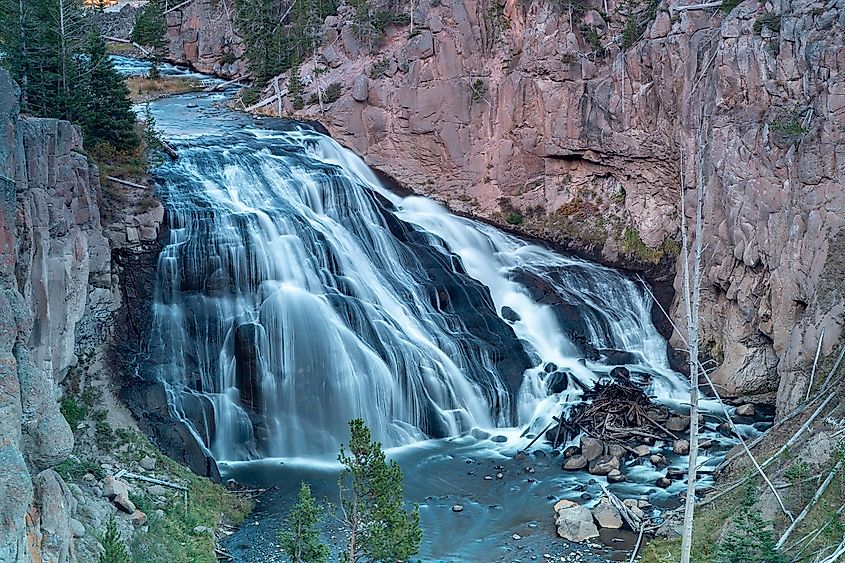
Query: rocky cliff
58	298
572	121
202	34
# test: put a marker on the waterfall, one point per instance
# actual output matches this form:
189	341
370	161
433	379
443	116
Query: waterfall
295	292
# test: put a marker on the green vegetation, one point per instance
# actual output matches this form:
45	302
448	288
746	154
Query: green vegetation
479	89
372	506
594	41
514	218
380	68
769	20
634	245
752	539
295	88
64	71
300	540
150	27
636	24
114	550
74	468
728	5
789	124
73	412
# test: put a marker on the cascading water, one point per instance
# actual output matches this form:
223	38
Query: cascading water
296	293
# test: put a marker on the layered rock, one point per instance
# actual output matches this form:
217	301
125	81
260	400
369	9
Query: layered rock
202	34
56	300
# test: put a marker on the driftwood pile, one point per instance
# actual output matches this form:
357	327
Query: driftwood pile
618	411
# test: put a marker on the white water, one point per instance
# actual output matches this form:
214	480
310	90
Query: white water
286	305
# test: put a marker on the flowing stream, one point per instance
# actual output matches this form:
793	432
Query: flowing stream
296	292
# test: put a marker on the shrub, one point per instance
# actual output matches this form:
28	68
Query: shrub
114	551
514	218
333	92
770	20
73	412
479	89
752	540
728	5
74	468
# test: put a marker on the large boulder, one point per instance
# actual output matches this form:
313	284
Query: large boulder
606	515
603	465
575	524
591	448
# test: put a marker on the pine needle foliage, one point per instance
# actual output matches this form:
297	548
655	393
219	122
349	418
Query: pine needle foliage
752	539
114	551
373	509
300	539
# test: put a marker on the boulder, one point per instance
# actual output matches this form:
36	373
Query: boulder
606	515
633	507
680	447
674	473
114	487
663	482
677	423
148	463
499	439
603	465
512	316
615	476
360	88
576	524
746	410
617	450
564	503
479	434
138	518
571	451
126	505
657	460
575	463
457	508
642	451
156	490
591	448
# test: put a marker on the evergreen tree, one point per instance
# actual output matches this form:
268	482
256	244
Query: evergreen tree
371	491
751	540
109	116
113	549
301	539
150	27
295	88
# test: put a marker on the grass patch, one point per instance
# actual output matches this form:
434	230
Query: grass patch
144	89
125	49
73	411
632	244
514	218
74	468
728	5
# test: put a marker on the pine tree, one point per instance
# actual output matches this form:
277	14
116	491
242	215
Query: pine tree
300	539
150	27
295	88
109	116
371	492
113	549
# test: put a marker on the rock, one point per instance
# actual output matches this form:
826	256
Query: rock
603	465
156	490
479	434
564	503
114	487
606	515
138	518
148	463
158	513
674	473
516	537
519	456
658	459
642	451
615	476
89	478
663	482
77	528
576	524
725	429
680	447
633	506
575	463
457	508
202	530
360	88
124	504
706	444
677	423
513	317
591	448
499	439
746	410
500	475
571	451
617	450
488	477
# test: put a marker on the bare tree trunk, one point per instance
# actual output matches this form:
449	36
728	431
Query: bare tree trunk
692	301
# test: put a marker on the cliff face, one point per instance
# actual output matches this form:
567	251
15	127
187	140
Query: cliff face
56	298
202	35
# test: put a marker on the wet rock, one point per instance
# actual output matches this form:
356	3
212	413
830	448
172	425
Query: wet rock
617	450
571	451
677	423
557	382
681	447
479	434
615	476
488	477
512	316
642	451
707	444
576	524
746	410
516	537
575	463
500	475
148	463
633	506
725	429
663	482
539	454
564	503
499	439
606	515
591	448
550	367
674	473
658	460
457	508
519	456
603	465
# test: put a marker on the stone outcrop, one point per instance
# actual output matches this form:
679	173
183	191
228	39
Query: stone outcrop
202	35
57	302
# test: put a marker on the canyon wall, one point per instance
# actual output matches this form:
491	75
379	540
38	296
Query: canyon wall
572	122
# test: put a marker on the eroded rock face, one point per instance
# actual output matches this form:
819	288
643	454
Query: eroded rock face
202	34
56	300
